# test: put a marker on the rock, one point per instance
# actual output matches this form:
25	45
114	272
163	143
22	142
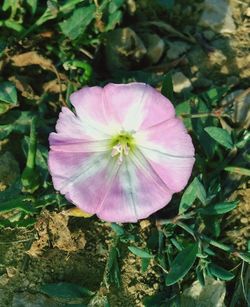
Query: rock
211	295
217	58
238	102
176	49
181	82
124	49
217	15
155	47
247	12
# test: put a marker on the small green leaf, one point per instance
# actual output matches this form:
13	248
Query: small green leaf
8	97
193	191
184	110
65	290
20	203
32	6
167	87
144	264
219	208
200	276
76	24
244	256
220	272
182	264
238	170
221	136
140	252
113	19
119	230
8	93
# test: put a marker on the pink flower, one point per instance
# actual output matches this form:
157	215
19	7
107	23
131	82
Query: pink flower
122	154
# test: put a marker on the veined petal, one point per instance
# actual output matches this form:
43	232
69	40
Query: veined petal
62	165
86	179
62	143
68	124
136	192
169	137
169	150
137	105
91	107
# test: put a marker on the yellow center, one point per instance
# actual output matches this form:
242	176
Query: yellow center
121	145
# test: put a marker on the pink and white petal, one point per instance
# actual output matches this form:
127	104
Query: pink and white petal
62	143
136	193
174	171
137	105
169	137
91	107
62	165
87	188
68	124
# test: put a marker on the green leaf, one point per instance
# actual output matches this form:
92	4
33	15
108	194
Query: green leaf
221	136
8	93
65	290
32	5
140	252
219	208
8	97
193	191
200	276
17	122
119	230
244	256
183	110
220	272
77	23
182	264
113	19
113	270
115	5
238	170
167	87
21	203
144	264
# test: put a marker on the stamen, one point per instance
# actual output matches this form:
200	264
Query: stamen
120	149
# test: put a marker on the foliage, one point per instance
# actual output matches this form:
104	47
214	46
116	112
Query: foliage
186	244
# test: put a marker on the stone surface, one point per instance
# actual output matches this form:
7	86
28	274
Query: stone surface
176	49
124	49
181	82
211	295
217	15
155	47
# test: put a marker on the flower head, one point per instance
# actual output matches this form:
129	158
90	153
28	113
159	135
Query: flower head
122	154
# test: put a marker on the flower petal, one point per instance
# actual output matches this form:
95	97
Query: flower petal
170	151
136	193
91	108
68	124
62	143
137	105
86	178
